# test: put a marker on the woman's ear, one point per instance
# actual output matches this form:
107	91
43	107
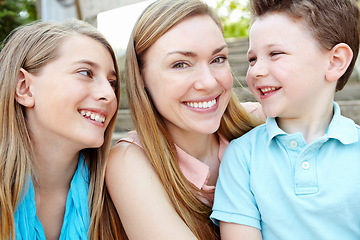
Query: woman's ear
340	59
23	94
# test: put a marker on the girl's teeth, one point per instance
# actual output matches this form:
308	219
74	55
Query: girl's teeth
203	105
93	116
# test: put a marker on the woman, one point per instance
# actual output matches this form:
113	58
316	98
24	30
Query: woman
59	96
162	177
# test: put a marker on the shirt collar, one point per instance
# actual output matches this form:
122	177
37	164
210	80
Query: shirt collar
193	169
340	128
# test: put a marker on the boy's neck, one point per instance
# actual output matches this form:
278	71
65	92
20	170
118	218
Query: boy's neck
311	126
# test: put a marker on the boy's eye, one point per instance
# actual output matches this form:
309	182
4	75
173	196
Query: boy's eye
252	61
275	53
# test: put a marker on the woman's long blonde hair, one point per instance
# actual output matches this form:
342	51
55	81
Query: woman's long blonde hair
31	47
155	21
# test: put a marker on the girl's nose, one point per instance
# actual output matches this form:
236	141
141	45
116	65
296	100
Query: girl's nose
104	91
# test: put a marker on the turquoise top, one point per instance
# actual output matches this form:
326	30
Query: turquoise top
76	219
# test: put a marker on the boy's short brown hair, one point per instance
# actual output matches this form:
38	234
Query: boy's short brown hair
330	22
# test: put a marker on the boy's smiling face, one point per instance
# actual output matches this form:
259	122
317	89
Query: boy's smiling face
287	67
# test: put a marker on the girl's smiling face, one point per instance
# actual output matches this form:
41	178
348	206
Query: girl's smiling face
188	77
73	96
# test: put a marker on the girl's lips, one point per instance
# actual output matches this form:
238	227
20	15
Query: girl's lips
93	115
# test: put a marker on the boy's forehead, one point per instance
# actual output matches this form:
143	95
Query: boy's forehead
279	29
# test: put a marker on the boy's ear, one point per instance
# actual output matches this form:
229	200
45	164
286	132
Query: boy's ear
340	59
23	94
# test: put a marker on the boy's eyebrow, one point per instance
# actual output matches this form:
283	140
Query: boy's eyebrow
269	45
192	54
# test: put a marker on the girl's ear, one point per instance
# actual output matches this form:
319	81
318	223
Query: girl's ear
23	94
340	59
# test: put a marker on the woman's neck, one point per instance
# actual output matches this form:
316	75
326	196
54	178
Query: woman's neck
204	147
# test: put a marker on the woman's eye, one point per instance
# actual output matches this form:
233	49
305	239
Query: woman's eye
86	72
180	65
219	60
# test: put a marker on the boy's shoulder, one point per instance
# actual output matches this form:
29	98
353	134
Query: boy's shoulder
255	134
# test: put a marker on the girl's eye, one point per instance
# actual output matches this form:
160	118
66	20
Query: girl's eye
113	83
219	60
180	65
86	72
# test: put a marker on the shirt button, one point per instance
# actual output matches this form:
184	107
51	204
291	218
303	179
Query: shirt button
293	144
305	165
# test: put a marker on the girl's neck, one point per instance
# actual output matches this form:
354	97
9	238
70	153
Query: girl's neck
54	168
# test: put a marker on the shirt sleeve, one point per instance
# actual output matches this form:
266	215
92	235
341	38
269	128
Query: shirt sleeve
234	201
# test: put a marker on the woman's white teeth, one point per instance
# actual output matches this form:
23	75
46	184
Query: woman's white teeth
208	104
93	116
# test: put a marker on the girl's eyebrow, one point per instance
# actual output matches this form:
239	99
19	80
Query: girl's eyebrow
94	65
88	62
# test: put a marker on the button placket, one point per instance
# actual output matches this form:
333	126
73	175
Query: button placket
293	144
305	165
305	173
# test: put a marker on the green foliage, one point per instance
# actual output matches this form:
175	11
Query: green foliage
235	17
14	13
237	29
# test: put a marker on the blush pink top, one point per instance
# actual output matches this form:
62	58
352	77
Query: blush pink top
193	169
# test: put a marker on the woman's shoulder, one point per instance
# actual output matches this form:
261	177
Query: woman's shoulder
126	158
126	148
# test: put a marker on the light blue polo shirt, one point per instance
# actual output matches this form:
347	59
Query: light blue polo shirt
275	182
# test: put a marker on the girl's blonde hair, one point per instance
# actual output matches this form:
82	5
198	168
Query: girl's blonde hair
31	47
155	21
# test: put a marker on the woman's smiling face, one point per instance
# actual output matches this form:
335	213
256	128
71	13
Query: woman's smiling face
188	77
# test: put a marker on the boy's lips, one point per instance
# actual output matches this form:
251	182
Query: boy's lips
267	90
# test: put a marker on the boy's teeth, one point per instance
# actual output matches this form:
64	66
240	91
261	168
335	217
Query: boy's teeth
207	104
267	89
93	116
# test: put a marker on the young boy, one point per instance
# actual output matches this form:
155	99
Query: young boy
298	175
